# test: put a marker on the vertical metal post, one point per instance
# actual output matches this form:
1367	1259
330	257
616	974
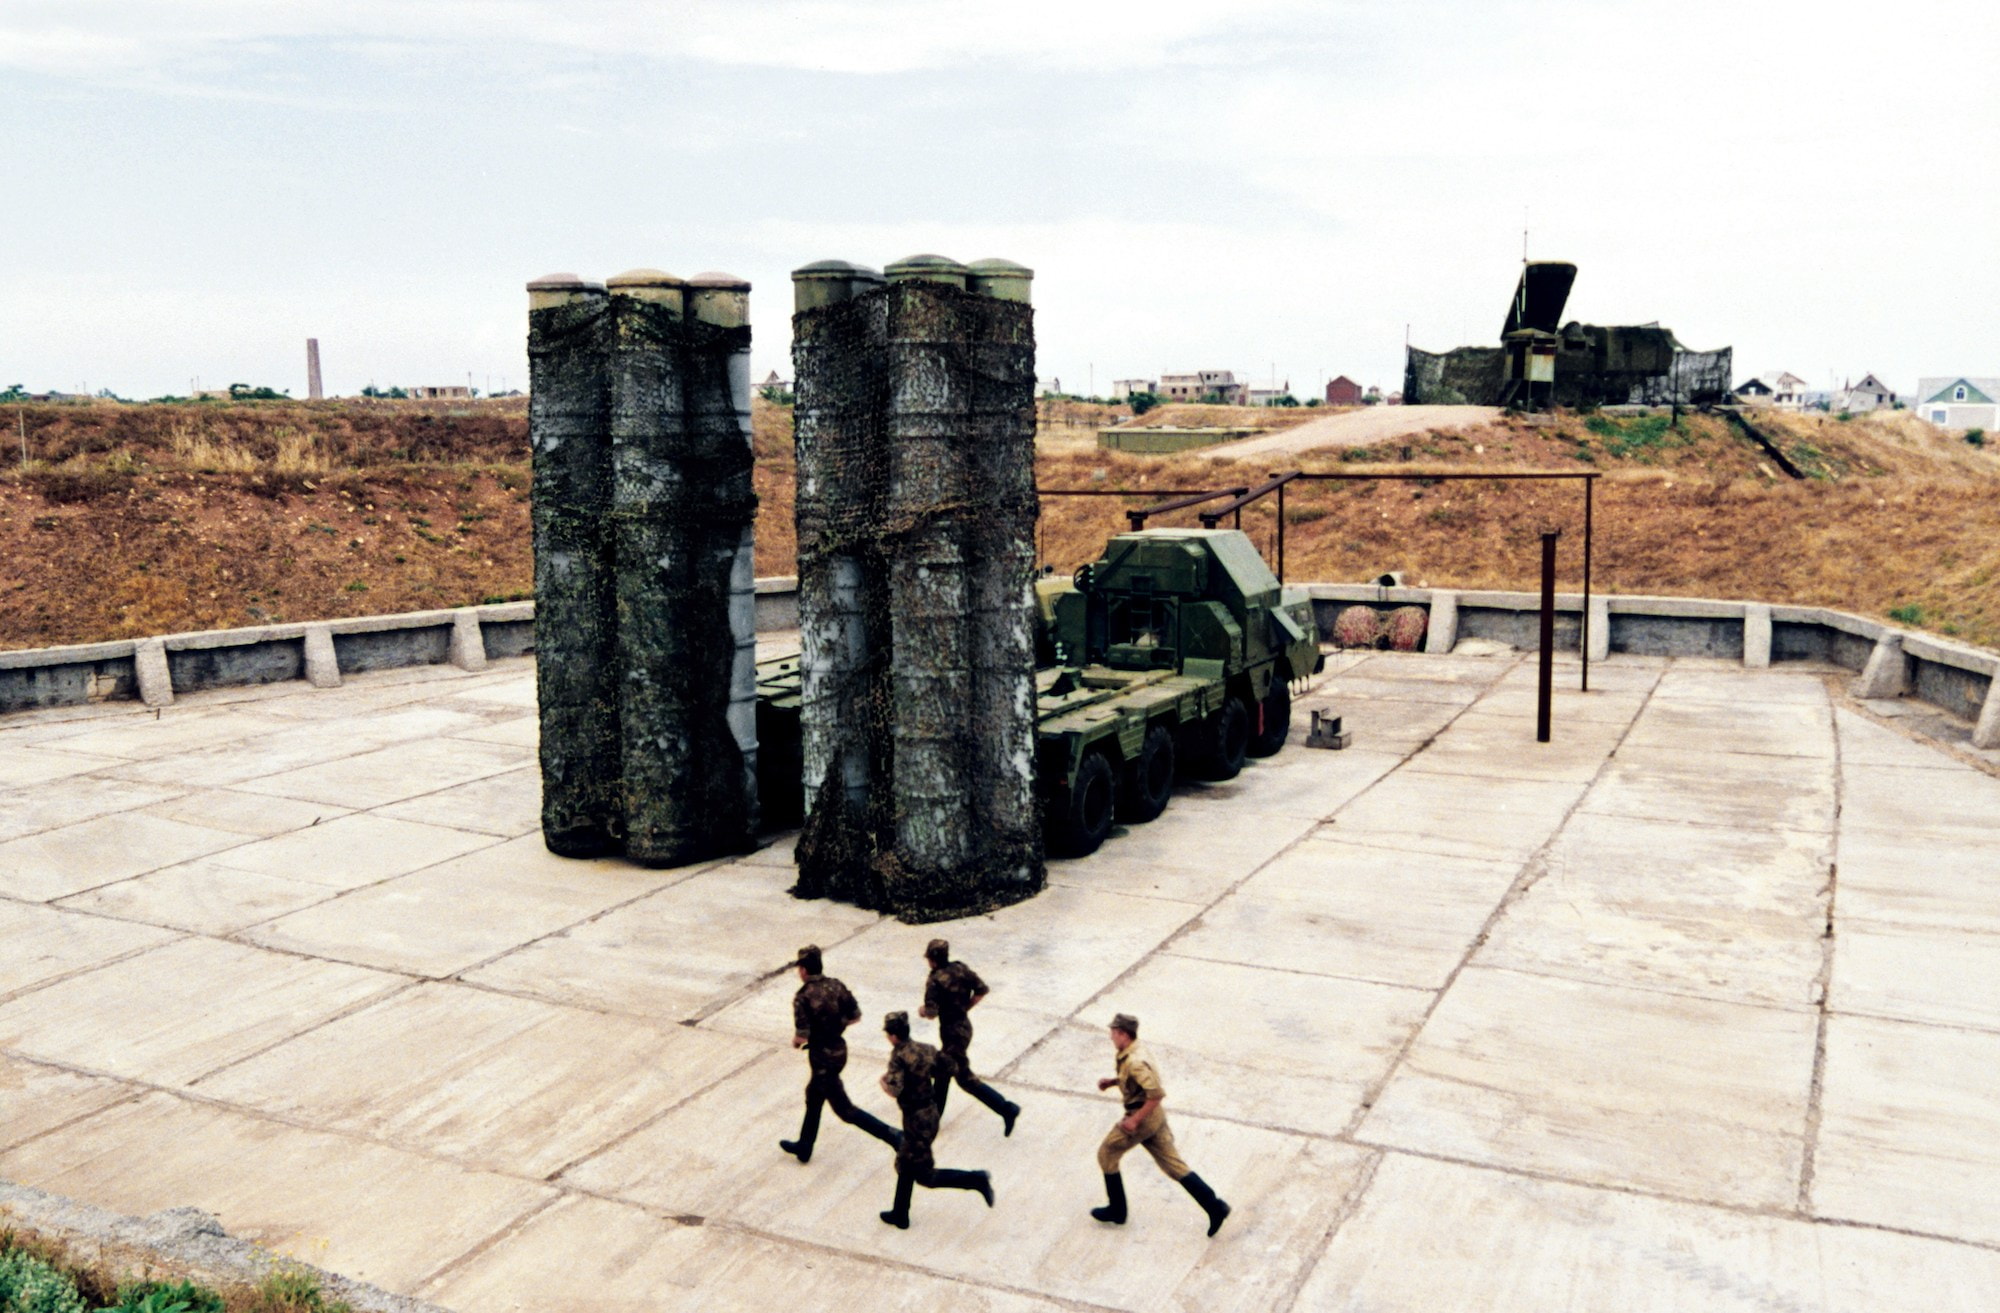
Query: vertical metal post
1589	486
1281	532
1547	655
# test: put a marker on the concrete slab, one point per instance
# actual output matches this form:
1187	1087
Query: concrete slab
516	691
30	810
1298	782
1738	688
1731	789
364	1210
1491	745
509	1084
256	816
1382	725
1887	878
1724	913
303	745
391	774
24	765
1910	1132
1287	1053
1917	973
1434	1236
39	944
1688	1097
1490	819
177	1012
683	952
1567	705
183	729
628	1258
1865	743
1959	806
352	851
458	914
76	857
521	732
506	805
1780	729
36	1099
1343	909
1193	852
203	896
1358	686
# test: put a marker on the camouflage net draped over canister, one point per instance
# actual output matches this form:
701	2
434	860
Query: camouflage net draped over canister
916	512
674	659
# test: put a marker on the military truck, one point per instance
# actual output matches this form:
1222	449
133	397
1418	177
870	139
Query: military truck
1170	657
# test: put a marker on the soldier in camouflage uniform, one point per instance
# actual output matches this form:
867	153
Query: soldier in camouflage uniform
912	1081
822	1011
950	994
1144	1125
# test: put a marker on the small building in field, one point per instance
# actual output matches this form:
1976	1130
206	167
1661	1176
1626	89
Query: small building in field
774	388
1278	396
1122	389
1960	403
1343	391
1871	393
450	392
1220	384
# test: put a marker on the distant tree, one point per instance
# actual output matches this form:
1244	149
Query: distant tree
246	392
385	394
1287	400
1312	402
776	395
1143	401
1977	437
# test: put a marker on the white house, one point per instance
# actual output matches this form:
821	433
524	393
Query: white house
1871	393
1123	388
1960	403
1785	390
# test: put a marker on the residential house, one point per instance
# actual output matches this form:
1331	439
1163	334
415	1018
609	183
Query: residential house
1270	396
1122	389
775	388
1960	403
1219	383
1343	391
1871	393
449	392
1785	390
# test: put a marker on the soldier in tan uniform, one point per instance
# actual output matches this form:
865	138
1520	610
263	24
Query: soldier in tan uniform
1144	1124
912	1080
952	990
822	1011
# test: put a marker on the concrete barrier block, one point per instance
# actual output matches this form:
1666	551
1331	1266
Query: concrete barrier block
1986	734
1887	674
1757	636
468	644
1600	627
322	666
156	682
1443	635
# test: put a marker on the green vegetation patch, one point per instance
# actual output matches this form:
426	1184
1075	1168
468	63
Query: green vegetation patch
1636	437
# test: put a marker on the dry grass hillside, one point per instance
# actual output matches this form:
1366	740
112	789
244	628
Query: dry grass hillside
132	520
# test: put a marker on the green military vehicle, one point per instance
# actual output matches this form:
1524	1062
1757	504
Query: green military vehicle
1170	657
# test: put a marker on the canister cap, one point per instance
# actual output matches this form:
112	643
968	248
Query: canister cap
927	269
644	278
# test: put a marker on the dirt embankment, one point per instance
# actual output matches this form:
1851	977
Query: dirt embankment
135	520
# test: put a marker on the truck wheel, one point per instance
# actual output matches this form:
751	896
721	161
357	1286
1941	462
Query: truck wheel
1148	783
1225	740
1083	818
1277	721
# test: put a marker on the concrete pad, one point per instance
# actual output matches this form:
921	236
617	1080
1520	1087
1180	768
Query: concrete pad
1779	729
1737	688
96	852
509	1084
1730	789
1865	743
1889	879
458	914
36	1099
352	851
1489	819
1432	1236
364	1210
628	1258
1357	686
173	732
182	1010
683	952
203	896
1910	1132
23	765
1959	806
506	805
1917	973
780	850
1689	1097
1504	746
1436	667
1622	674
30	810
39	944
517	691
1730	914
521	732
1382	725
1342	909
391	774
1299	781
1567	705
1191	853
254	815
1291	1052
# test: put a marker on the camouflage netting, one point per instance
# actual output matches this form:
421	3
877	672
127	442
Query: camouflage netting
1641	365
1468	376
645	631
916	514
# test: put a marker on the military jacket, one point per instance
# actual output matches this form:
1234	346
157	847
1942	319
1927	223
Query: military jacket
821	1013
1138	1081
912	1075
951	990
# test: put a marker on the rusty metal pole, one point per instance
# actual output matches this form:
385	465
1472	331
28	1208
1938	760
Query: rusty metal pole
1281	531
1547	655
1589	486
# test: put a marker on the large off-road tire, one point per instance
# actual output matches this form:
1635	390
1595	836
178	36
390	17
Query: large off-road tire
1277	726
1222	741
1147	782
1081	818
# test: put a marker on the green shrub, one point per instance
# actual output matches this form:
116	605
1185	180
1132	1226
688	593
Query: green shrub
166	1297
28	1285
1910	614
1977	437
295	1290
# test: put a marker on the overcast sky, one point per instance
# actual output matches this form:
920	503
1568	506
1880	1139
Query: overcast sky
194	188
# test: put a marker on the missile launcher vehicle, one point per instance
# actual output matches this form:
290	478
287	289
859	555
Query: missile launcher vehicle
1170	657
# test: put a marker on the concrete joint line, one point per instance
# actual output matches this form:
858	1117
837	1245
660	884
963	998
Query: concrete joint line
1823	986
1350	1204
507	1231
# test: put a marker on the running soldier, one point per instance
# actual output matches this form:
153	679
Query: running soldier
950	994
1145	1125
912	1080
822	1011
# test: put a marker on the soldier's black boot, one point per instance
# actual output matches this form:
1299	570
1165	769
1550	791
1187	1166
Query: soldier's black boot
1216	1208
951	1178
802	1148
1114	1187
992	1098
899	1216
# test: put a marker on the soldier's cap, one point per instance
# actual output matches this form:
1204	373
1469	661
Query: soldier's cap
1126	1022
897	1024
808	958
939	950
